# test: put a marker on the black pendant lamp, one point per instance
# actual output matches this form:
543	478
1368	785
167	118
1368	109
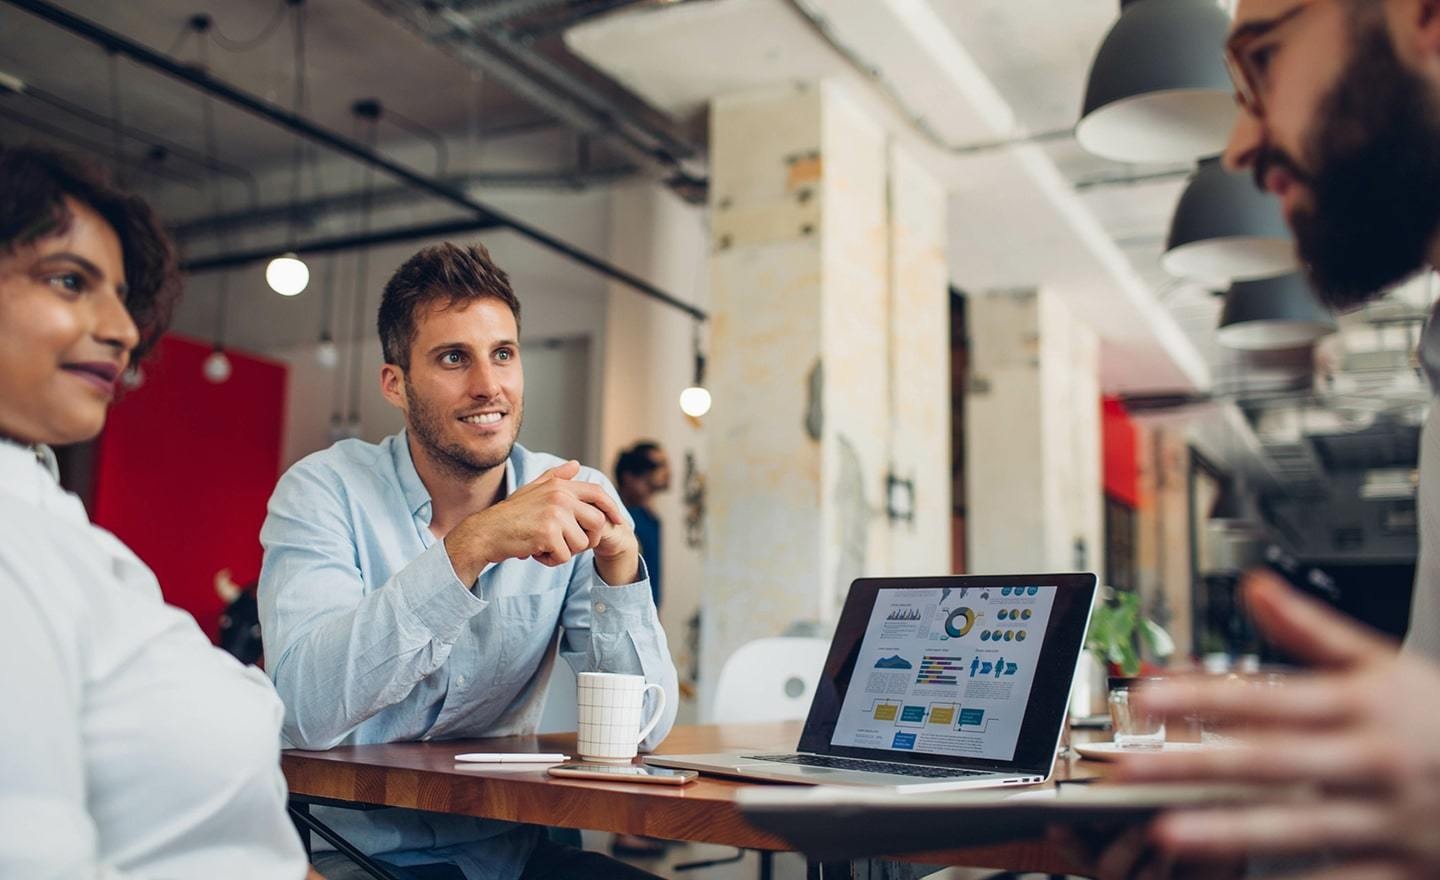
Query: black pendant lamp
1225	230
1273	314
1158	90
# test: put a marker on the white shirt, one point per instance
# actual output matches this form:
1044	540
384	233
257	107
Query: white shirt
129	746
1424	635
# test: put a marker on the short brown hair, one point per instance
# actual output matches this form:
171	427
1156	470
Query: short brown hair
443	272
34	183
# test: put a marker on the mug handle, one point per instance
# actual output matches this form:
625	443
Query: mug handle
659	710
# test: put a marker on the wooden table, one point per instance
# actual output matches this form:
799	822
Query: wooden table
424	776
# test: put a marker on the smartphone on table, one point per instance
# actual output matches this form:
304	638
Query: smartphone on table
625	773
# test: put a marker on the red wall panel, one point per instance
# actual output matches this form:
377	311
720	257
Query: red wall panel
185	467
1122	471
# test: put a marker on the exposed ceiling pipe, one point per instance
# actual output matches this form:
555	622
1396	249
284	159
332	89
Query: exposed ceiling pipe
500	11
153	141
148	164
340	243
551	88
302	126
339	203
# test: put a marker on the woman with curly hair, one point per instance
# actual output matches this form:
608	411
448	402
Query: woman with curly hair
132	747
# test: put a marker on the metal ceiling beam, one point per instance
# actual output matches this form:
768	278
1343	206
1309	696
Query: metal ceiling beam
339	203
340	243
60	133
202	80
500	11
149	139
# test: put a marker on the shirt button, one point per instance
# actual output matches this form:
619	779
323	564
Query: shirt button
599	607
460	680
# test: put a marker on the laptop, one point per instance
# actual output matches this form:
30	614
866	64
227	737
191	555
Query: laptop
934	684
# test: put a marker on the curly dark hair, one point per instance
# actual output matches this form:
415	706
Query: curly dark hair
443	272
34	183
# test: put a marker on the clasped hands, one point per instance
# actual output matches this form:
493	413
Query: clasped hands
551	520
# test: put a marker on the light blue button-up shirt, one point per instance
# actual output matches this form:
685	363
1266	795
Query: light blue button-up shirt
371	638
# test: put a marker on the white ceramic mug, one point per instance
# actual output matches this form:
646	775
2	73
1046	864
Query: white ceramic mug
609	705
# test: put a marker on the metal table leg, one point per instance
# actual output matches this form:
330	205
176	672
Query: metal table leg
300	815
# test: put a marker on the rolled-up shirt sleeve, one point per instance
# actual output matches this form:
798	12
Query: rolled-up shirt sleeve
617	629
339	654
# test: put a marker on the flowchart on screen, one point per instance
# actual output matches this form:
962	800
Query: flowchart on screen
946	671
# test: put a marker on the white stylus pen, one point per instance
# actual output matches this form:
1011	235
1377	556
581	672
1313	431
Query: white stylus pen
511	758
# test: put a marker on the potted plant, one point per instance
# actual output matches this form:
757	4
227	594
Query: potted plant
1117	631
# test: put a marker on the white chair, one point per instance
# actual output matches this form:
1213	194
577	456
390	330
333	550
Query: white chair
766	680
769	680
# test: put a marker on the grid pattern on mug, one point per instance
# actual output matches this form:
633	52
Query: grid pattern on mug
610	711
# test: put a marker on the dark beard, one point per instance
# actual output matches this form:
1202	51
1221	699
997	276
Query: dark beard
1376	186
427	424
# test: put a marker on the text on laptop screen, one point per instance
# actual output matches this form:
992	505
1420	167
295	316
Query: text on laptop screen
946	671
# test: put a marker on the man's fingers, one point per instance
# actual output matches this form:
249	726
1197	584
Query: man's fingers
1363	869
554	549
1307	629
1348	762
591	519
597	497
567	471
1330	825
575	538
1297	701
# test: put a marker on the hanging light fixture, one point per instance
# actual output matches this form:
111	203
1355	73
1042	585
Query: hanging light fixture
1225	230
364	117
1158	90
287	274
217	367
1273	314
695	401
327	355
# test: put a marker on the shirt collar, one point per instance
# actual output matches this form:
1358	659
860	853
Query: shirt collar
417	497
28	471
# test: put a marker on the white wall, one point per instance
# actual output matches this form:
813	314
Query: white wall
648	361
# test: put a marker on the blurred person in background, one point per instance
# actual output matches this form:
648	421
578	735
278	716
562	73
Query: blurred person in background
642	472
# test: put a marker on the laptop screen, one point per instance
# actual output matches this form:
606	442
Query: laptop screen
970	671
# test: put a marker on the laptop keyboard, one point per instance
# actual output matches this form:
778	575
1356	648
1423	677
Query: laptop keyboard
868	766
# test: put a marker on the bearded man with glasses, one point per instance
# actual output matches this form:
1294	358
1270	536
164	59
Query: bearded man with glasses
1339	119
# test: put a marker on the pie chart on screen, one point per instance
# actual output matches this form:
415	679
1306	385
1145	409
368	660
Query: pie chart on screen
959	622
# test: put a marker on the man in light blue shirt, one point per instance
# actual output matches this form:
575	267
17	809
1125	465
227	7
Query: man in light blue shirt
417	589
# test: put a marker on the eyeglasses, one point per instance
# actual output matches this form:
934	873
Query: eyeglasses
1248	54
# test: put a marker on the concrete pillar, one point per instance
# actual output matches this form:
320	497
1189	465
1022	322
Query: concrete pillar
1162	530
1032	442
828	360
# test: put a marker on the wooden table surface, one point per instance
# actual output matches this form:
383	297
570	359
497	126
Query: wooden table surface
425	776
